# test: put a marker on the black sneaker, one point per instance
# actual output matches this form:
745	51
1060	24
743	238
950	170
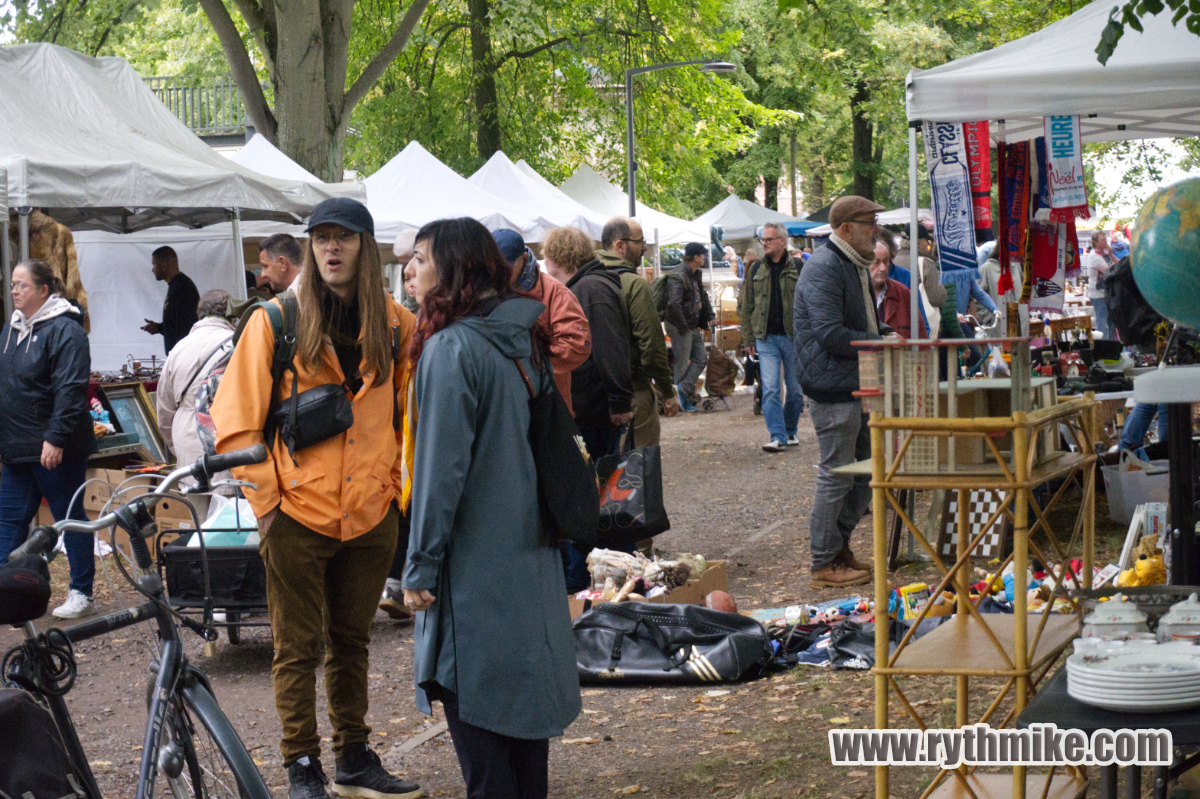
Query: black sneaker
306	779
360	773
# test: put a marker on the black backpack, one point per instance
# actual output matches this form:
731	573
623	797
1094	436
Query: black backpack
33	760
1128	310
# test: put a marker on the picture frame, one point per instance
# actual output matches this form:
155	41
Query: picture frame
134	412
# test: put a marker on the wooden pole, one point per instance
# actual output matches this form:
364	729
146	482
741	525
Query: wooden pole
1020	583
793	173
879	525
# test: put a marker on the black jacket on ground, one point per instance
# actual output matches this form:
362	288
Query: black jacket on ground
43	390
603	384
179	310
828	313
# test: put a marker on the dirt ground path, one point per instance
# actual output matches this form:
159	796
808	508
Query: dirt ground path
728	500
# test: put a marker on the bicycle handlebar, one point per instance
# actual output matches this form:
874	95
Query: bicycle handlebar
136	515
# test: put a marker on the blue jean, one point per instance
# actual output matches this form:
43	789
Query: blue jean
1137	424
1100	305
22	487
781	416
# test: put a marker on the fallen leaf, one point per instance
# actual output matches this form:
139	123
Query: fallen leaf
731	732
590	712
716	693
708	708
137	748
857	774
571	741
629	789
257	761
840	720
100	763
592	693
771	781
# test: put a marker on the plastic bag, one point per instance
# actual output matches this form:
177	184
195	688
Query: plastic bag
233	524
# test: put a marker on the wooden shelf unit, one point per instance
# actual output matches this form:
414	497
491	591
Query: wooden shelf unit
1017	648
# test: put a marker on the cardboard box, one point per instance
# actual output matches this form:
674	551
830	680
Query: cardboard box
713	579
171	514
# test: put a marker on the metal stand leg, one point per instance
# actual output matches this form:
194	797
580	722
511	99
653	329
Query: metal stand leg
1108	782
1133	782
1160	782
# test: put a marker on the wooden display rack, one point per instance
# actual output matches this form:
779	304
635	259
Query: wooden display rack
975	645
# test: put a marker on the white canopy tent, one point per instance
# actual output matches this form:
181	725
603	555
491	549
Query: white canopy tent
588	187
501	177
87	141
415	188
741	218
1149	88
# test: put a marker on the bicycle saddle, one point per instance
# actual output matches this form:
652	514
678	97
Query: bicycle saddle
24	590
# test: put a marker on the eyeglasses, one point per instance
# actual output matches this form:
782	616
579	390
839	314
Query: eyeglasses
636	241
325	239
776	238
21	286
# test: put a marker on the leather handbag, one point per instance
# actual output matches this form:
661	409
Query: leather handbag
647	643
631	497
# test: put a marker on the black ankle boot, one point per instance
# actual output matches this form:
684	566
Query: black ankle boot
360	773
306	779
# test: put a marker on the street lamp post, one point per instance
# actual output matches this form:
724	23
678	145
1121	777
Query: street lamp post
705	65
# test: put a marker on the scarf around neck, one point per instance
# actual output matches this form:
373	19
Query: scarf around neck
54	306
864	278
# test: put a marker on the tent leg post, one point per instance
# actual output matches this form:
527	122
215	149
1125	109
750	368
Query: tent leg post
239	260
914	259
7	265
23	230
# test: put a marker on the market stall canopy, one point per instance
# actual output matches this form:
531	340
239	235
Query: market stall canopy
415	188
742	218
587	186
86	140
501	177
898	216
1149	88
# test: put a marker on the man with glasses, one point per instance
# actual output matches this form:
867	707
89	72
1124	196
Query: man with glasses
834	305
622	246
767	333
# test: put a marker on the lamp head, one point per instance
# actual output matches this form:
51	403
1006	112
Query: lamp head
717	66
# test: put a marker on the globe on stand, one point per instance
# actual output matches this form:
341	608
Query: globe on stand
1165	252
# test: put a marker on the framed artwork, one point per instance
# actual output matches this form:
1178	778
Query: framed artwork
134	412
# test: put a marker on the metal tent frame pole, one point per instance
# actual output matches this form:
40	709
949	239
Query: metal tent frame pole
239	259
23	230
914	260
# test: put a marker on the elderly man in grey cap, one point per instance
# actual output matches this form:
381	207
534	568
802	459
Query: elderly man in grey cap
834	305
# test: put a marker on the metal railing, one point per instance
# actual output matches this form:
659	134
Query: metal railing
208	106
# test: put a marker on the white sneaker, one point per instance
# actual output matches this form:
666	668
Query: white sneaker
77	606
793	441
774	446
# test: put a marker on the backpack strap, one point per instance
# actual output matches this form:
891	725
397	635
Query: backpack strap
283	326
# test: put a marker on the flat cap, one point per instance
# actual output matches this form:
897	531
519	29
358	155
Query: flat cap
849	207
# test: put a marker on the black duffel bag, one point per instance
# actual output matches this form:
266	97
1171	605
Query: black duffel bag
647	642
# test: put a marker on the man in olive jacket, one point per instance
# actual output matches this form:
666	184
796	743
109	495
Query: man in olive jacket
623	245
767	332
834	305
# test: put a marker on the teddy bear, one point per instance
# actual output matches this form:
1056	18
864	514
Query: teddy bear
1148	568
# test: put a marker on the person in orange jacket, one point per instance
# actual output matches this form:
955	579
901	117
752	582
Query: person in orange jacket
570	336
327	512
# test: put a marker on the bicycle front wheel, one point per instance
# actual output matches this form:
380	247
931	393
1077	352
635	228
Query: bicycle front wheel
216	764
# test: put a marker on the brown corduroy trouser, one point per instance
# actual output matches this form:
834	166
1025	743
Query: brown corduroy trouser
320	586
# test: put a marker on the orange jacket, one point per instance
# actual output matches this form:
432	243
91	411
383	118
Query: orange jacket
340	487
570	336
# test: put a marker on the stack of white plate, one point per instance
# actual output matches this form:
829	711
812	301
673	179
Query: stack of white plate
1143	679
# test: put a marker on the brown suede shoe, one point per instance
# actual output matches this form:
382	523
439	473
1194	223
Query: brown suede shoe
846	557
839	575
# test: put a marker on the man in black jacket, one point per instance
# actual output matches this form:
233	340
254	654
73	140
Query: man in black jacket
834	305
179	308
686	320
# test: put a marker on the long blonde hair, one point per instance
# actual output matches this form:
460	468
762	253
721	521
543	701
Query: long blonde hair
312	326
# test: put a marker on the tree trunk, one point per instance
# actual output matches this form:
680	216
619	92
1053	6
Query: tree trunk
814	195
301	105
862	152
771	196
487	112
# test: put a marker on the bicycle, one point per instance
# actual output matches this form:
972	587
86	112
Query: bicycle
188	742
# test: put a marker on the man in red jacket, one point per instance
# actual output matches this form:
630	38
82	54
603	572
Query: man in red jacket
891	296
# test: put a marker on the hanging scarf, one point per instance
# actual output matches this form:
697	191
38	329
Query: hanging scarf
862	265
1047	265
950	181
408	450
1004	283
979	163
1015	209
1064	169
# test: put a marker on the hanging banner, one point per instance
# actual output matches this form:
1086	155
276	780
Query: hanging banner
1064	169
1004	283
1015	208
950	184
979	162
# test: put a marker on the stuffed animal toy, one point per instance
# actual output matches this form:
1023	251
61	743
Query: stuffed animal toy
1148	568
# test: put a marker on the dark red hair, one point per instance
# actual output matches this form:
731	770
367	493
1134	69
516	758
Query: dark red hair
470	270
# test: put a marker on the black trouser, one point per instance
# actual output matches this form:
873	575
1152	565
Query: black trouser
398	560
495	766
